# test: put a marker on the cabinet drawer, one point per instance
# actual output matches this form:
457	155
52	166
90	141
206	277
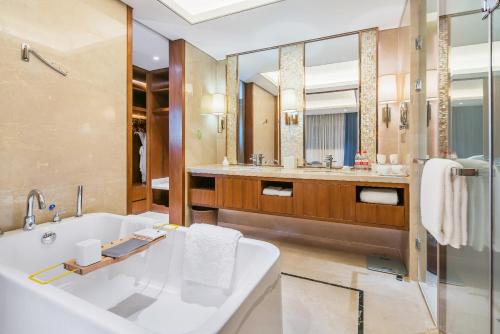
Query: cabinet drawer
366	213
203	197
391	215
139	206
276	204
138	192
378	214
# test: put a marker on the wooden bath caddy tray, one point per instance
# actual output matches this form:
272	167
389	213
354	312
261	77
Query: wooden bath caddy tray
71	265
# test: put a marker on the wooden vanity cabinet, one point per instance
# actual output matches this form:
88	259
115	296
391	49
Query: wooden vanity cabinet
335	201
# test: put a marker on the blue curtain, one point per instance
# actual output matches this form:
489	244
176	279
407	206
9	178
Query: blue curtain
351	138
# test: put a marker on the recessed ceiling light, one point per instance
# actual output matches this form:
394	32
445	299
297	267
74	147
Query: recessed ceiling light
156	58
196	11
460	103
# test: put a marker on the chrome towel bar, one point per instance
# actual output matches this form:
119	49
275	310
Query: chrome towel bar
454	171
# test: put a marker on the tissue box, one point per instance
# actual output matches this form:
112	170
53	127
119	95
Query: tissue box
88	252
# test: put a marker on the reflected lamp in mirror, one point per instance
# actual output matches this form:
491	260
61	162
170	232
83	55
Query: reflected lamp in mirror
431	91
289	106
219	110
403	109
387	92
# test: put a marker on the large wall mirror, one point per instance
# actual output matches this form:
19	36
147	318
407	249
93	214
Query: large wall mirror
258	101
331	100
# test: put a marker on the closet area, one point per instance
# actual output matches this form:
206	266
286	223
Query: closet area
148	163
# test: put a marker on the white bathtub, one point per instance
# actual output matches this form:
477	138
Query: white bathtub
152	280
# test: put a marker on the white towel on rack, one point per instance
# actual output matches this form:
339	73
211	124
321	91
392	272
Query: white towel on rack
443	202
210	255
478	204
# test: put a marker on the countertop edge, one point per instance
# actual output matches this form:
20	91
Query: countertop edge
276	172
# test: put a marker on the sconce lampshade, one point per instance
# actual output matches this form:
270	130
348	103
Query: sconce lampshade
387	89
218	104
289	100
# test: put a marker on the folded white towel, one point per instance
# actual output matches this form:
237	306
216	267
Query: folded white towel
271	191
443	202
379	196
286	192
210	255
133	223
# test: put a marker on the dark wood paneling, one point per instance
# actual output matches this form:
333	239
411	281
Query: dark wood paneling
342	201
240	193
139	206
176	131
129	110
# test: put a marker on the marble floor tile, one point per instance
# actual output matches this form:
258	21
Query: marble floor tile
390	306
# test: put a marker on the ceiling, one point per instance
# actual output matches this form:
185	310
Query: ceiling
274	24
150	49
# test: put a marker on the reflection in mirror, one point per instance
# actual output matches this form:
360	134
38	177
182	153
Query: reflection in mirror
332	100
468	87
258	115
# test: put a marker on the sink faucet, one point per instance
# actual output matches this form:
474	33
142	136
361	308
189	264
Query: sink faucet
79	201
329	161
257	159
29	219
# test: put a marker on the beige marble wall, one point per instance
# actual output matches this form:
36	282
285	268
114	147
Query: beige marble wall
232	108
368	92
200	126
292	76
58	132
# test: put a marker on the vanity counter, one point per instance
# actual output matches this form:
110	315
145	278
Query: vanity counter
298	173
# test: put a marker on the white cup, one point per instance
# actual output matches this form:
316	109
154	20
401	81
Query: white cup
394	159
381	159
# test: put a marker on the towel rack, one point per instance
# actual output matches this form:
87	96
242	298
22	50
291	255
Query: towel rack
454	170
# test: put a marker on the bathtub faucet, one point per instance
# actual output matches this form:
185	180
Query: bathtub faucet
29	219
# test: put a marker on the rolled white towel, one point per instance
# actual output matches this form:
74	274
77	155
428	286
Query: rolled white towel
272	191
287	192
379	196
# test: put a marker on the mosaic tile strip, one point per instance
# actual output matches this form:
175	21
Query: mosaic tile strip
232	108
368	92
292	76
444	83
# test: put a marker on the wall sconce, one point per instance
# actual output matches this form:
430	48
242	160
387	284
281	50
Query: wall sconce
219	110
387	93
289	106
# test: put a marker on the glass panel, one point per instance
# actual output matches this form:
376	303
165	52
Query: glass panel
495	171
428	252
331	113
465	272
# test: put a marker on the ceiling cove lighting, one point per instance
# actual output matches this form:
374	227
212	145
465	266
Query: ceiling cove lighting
196	11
